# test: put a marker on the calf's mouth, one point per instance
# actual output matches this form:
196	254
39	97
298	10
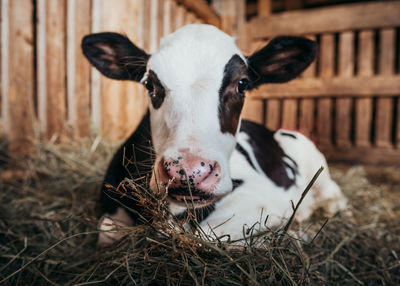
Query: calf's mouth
189	197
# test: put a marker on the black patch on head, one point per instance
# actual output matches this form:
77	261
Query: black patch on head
283	59
288	134
115	56
230	98
269	154
156	89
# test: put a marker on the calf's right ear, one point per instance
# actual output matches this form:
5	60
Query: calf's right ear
115	56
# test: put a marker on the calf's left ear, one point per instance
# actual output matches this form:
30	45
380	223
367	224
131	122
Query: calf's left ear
283	59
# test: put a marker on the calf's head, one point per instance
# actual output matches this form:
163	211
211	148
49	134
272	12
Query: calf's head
196	83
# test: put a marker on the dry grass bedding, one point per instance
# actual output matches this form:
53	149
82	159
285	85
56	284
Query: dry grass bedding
49	207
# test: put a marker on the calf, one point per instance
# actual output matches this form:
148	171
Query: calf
238	172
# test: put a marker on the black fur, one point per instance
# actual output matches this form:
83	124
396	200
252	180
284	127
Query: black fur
268	153
283	59
138	148
115	56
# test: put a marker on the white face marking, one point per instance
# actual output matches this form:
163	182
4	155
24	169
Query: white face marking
190	65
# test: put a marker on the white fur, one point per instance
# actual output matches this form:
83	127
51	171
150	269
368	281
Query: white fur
188	117
259	197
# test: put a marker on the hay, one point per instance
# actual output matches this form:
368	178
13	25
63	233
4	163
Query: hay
48	217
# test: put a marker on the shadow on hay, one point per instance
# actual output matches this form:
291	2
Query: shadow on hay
48	218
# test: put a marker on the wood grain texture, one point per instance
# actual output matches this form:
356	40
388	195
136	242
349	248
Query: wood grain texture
20	78
202	10
254	109
4	51
384	106
364	105
307	105
55	68
289	114
361	155
79	69
358	87
327	20
343	105
326	70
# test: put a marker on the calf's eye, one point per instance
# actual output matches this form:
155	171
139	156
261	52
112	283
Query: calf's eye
242	85
149	85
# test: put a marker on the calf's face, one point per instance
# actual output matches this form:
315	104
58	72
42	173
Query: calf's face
196	83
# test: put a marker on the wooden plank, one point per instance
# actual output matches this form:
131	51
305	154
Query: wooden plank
326	70
361	155
326	20
254	109
264	7
289	114
135	102
306	119
384	106
358	87
20	78
122	104
154	22
191	18
167	26
179	17
202	10
343	105
293	4
95	77
364	105
78	68
4	47
55	68
160	21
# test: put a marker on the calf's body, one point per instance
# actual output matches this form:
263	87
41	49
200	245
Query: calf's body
192	137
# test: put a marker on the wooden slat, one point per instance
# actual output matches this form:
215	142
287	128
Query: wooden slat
55	68
306	120
358	87
361	155
21	79
4	51
289	114
135	102
95	77
179	17
114	93
326	69
254	109
160	21
384	106
331	19
343	105
264	7
364	105
293	4
202	10
78	67
167	26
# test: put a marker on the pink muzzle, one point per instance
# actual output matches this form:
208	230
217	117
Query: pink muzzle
191	171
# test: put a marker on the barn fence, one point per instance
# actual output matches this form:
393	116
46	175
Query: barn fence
347	101
46	83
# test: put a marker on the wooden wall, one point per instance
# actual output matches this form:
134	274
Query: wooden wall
348	100
48	87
